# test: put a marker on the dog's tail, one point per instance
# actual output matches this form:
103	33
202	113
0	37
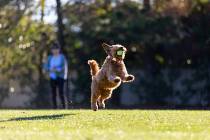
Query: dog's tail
94	67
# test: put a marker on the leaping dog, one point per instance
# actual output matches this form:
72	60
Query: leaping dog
112	73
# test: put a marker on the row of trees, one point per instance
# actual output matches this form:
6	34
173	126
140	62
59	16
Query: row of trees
22	43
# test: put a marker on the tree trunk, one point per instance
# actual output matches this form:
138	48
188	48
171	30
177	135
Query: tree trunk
42	3
147	5
61	40
60	34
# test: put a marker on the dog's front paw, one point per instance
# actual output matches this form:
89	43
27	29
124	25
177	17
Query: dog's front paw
117	80
129	78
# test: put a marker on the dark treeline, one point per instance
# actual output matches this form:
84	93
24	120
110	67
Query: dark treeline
167	41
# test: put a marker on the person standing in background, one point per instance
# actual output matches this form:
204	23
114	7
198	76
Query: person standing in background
57	67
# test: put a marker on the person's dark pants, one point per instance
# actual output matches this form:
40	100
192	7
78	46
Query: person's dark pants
57	84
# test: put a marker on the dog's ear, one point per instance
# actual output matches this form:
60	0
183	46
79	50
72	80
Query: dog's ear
107	48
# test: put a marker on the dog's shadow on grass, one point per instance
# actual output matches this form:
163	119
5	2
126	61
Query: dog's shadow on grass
36	118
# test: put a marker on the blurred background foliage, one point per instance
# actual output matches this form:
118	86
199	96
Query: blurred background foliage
167	41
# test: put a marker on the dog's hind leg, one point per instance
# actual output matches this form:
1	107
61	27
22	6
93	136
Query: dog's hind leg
94	99
95	94
102	100
101	103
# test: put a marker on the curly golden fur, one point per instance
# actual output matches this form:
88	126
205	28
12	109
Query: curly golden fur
112	73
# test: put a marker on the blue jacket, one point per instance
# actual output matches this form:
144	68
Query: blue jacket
61	70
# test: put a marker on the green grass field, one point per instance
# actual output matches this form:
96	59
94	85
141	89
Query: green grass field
104	125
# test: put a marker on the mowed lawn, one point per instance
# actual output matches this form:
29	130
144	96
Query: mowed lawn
104	125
